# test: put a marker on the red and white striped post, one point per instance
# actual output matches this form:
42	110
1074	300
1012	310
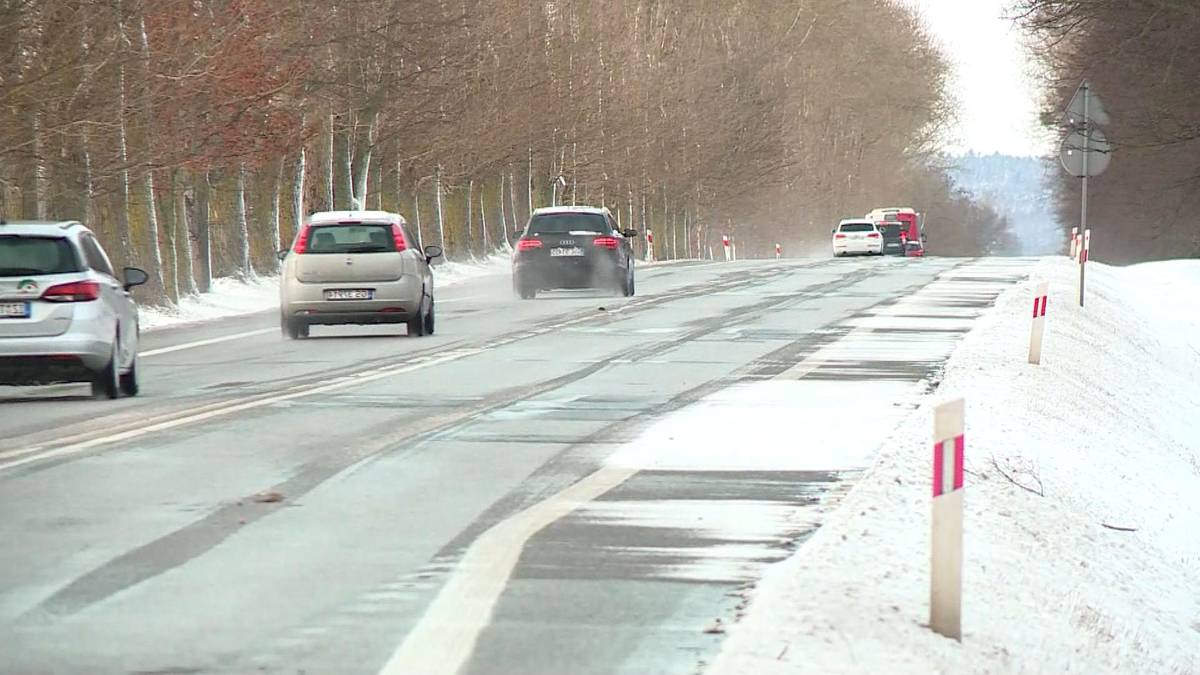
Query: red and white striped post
778	251
945	590
725	244
649	245
1074	243
1038	329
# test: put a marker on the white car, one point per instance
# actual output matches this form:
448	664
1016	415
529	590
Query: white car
857	236
65	315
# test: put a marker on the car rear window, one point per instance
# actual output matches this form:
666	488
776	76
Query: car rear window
857	227
351	238
890	230
25	256
563	223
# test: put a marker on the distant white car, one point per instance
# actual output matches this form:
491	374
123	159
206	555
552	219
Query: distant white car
857	236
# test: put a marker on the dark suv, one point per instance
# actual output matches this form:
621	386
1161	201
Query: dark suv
573	247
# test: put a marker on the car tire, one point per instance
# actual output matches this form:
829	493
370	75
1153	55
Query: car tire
630	283
526	291
293	329
107	382
129	381
416	325
429	320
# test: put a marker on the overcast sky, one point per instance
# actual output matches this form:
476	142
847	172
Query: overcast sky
998	98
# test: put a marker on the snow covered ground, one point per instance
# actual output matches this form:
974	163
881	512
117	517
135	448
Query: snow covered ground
234	297
1105	434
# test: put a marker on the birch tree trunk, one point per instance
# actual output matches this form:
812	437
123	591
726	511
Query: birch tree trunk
529	183
245	270
181	223
298	191
123	230
470	217
172	226
361	165
277	187
483	218
204	232
156	271
512	199
329	160
504	229
437	182
41	172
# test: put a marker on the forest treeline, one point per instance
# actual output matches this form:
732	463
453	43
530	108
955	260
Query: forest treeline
1143	60
192	135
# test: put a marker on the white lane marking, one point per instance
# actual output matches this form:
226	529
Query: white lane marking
444	639
252	333
205	343
23	456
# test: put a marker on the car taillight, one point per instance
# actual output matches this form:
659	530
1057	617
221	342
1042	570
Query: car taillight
76	291
528	244
398	237
873	235
606	242
302	239
839	236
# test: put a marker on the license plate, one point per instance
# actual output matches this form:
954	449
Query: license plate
14	310
348	294
566	252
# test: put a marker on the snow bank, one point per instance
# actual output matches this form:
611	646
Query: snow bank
1108	428
234	297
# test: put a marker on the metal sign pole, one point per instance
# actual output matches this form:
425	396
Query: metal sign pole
1087	136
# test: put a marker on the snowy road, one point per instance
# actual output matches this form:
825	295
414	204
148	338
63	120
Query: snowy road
575	484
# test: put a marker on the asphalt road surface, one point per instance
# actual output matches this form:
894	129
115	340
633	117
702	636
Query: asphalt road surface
575	484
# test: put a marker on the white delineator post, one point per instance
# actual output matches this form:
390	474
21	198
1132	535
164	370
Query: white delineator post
725	244
778	251
1039	323
945	592
649	246
1074	243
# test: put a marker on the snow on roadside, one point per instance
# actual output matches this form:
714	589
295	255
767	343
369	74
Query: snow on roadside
1106	428
234	297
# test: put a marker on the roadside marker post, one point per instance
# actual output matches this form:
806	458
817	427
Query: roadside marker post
1038	328
778	251
725	245
945	592
649	245
1084	250
1074	243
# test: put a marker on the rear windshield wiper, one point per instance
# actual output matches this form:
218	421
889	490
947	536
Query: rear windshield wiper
19	271
368	249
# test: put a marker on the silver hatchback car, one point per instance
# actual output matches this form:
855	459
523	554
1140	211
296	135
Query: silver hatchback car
64	314
356	267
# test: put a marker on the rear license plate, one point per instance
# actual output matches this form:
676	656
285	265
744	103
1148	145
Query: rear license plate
566	252
14	310
349	294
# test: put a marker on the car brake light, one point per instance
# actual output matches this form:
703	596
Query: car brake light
839	236
606	242
302	239
76	291
873	235
528	244
398	237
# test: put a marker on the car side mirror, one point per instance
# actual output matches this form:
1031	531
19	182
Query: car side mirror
432	252
631	234
282	254
134	277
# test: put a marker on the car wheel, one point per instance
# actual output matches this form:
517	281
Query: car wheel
416	325
526	291
106	383
129	381
294	329
630	285
429	320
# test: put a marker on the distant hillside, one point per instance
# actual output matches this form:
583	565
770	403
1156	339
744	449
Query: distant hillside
1018	189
